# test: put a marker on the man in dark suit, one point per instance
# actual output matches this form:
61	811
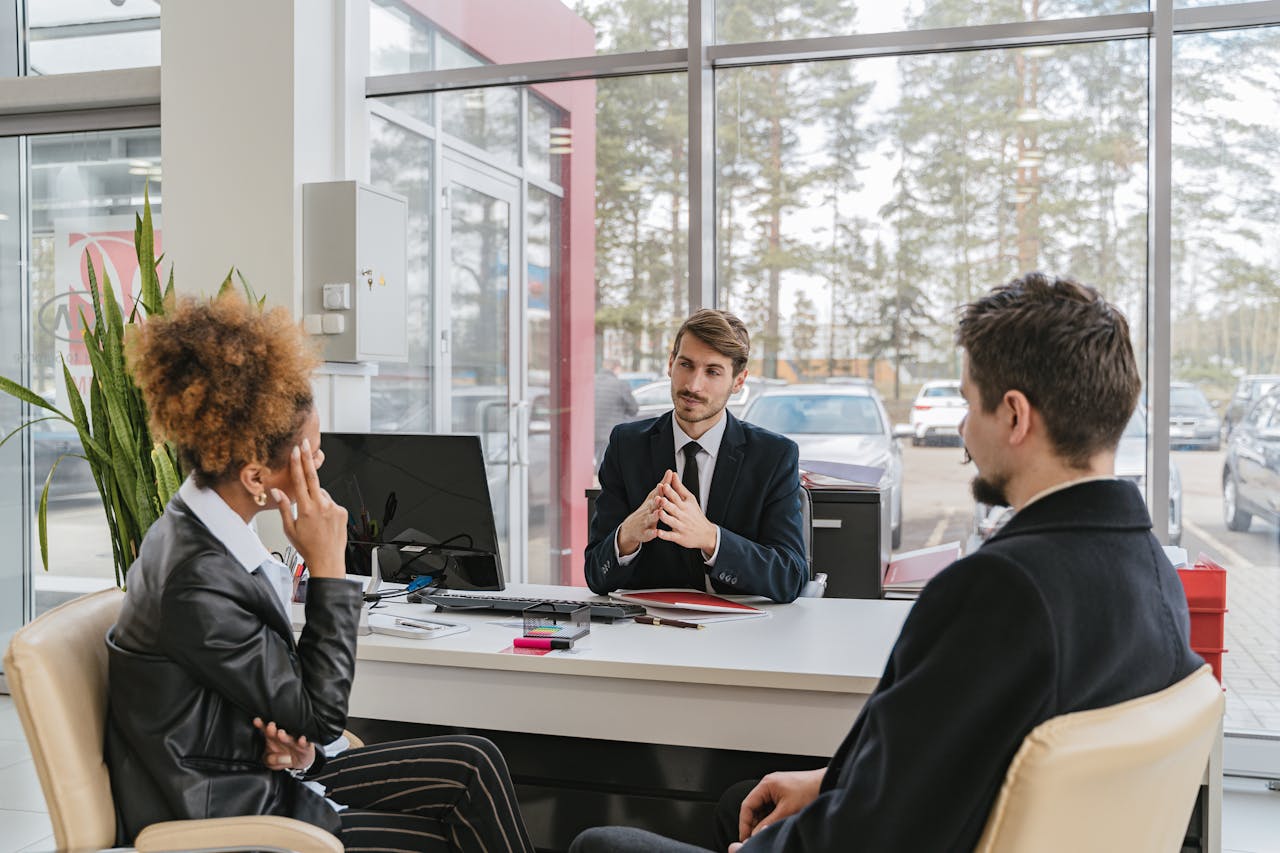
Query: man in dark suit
1071	606
696	498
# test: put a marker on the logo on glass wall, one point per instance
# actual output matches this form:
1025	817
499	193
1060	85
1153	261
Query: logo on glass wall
108	240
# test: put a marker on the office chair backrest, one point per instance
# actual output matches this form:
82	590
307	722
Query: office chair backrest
57	672
816	585
1118	778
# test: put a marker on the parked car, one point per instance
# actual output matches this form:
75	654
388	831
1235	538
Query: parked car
636	379
1193	424
837	423
1248	390
50	441
1251	470
1131	464
937	412
655	398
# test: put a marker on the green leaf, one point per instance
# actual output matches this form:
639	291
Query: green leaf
20	427
13	389
92	448
42	513
145	244
226	285
167	480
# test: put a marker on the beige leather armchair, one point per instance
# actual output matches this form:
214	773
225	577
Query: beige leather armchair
57	672
1118	778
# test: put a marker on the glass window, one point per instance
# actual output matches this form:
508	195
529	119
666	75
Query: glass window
66	36
399	42
400	161
85	190
860	202
775	20
563	279
1226	341
526	30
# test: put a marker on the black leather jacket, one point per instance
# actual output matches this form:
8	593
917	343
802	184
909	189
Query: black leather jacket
200	649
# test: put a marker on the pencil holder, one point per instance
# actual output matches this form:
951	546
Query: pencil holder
544	621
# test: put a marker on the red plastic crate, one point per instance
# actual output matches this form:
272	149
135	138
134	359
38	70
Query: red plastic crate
1213	657
1205	585
1207	627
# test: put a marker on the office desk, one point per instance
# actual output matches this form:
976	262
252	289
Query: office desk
641	725
643	683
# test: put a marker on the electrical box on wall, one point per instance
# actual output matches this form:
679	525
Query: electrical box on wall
354	263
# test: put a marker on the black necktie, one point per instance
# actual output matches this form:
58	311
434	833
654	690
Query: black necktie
697	563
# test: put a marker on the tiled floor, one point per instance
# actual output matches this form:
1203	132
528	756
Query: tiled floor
1251	820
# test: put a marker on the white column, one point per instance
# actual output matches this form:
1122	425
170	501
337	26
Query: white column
256	99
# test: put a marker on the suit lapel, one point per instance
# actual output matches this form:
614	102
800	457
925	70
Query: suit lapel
728	464
662	450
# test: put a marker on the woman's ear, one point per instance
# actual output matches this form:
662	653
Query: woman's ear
253	477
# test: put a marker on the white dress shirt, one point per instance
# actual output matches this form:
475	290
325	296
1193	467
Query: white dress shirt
706	459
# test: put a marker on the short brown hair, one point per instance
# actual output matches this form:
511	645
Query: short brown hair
721	331
1063	346
227	383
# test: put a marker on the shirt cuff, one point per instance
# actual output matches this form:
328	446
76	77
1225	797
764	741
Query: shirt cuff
711	561
626	561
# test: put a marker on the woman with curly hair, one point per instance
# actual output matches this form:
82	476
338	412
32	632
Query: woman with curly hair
213	707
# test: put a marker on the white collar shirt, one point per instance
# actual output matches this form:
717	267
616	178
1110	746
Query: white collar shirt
239	538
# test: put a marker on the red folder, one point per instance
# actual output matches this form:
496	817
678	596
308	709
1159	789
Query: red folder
685	599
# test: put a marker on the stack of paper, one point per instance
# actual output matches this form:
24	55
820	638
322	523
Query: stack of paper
816	474
688	605
911	570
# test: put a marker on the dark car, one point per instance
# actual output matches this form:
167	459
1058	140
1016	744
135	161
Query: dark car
1193	424
1251	472
52	440
1248	390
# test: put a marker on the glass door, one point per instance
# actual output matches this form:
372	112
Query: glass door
482	345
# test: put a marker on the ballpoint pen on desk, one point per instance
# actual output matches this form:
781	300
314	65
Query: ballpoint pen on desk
674	623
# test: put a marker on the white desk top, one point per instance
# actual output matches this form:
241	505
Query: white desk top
836	645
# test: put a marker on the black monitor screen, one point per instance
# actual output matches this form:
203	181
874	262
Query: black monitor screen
413	490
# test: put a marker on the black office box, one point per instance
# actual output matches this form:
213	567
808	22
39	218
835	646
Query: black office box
850	542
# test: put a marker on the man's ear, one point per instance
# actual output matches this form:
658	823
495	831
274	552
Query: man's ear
738	380
671	360
1017	410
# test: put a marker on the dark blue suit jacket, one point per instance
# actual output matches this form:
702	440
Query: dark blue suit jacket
1071	606
755	499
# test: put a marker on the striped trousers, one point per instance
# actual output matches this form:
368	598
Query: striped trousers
450	793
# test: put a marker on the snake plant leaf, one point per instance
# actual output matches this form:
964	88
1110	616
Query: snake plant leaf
42	513
13	389
167	481
81	418
20	427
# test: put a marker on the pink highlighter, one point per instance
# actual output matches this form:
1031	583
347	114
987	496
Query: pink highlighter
541	643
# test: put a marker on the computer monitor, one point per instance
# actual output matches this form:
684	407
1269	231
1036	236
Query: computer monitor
419	503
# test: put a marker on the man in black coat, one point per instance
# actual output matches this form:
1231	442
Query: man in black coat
1071	606
696	498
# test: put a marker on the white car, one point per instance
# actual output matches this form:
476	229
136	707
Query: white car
837	423
937	412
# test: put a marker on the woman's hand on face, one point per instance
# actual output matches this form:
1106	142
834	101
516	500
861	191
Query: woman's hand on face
284	752
320	530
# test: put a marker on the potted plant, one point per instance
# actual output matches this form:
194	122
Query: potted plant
134	473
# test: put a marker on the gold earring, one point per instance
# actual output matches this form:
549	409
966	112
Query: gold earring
260	498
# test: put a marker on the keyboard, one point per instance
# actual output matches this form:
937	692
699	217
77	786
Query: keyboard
608	611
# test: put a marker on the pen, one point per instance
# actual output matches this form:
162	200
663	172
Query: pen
674	623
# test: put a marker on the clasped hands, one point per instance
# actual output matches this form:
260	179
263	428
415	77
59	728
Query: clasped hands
676	507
